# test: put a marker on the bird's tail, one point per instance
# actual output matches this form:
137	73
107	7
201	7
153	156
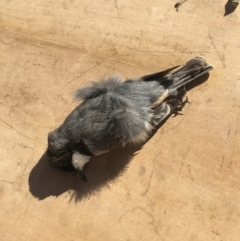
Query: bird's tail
193	69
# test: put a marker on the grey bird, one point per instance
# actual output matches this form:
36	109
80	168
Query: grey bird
115	113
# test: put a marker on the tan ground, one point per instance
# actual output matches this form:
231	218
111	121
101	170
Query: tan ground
183	185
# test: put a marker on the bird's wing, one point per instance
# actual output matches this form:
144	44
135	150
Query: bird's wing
159	76
107	121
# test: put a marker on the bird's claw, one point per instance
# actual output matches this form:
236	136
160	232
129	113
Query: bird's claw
180	106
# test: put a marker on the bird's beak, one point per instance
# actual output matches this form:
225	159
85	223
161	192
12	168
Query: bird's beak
81	175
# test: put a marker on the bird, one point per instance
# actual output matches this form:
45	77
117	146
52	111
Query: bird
115	113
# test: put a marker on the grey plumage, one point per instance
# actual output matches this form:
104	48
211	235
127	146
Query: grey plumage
115	113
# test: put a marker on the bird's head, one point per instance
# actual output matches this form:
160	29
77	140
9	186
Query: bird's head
59	154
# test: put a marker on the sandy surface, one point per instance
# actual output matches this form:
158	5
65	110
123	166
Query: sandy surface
184	184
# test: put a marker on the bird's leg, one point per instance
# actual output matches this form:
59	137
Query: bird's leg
179	106
174	105
181	94
78	161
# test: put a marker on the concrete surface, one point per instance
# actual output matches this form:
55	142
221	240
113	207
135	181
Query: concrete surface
182	185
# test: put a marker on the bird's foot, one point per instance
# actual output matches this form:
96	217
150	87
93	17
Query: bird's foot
180	105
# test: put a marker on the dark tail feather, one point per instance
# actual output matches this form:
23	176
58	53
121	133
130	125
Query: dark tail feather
159	75
193	69
179	78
